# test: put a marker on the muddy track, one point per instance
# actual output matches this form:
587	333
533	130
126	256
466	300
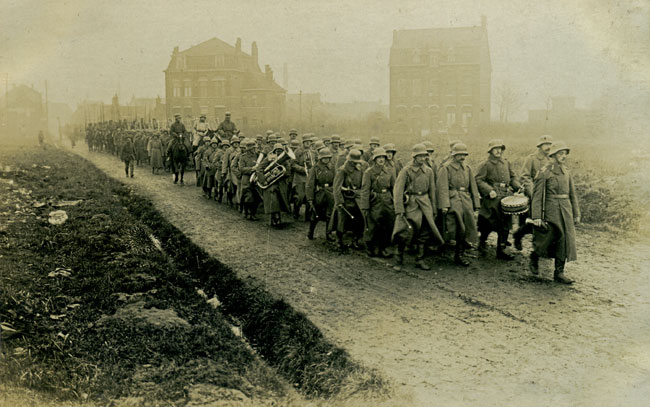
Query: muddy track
488	334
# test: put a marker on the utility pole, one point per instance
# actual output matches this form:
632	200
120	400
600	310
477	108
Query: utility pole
47	111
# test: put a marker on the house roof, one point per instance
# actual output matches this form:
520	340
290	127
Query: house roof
438	37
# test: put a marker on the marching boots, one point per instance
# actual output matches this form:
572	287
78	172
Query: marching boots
558	275
518	235
482	245
312	228
501	254
458	255
399	258
339	239
419	260
533	264
328	233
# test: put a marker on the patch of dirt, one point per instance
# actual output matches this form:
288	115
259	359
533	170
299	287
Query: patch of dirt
490	334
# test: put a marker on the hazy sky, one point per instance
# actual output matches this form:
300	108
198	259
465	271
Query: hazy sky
338	48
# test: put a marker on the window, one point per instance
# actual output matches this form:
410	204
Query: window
176	90
218	60
451	118
467	119
417	87
451	55
403	87
187	89
203	89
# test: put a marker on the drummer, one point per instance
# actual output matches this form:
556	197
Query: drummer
495	179
532	166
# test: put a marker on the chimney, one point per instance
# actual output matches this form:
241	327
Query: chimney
238	45
268	72
483	21
254	55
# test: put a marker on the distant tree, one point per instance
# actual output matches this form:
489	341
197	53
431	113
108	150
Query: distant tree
508	100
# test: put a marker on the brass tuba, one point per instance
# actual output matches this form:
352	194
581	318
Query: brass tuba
275	170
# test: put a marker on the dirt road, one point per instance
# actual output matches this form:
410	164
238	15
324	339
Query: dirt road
487	335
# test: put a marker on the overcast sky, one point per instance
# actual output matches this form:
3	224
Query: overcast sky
338	48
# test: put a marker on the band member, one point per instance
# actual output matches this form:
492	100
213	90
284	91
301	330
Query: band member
347	199
229	171
247	163
208	167
320	193
532	166
227	128
377	204
414	198
391	162
555	206
305	159
495	180
458	198
275	196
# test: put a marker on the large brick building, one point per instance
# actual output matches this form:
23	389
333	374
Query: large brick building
440	78
214	77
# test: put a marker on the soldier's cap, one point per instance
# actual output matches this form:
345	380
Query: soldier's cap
494	143
452	143
306	138
318	145
278	146
558	146
295	143
281	140
259	137
293	131
314	139
374	140
335	138
348	144
389	147
356	141
177	116
459	148
227	113
225	142
354	155
269	132
206	138
545	139
324	153
379	152
429	146
214	141
418	149
234	139
272	137
202	116
326	139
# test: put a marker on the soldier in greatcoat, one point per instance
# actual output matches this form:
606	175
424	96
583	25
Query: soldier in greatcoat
219	175
319	190
374	143
495	179
377	204
275	196
247	165
228	171
458	198
392	162
207	168
414	198
555	206
198	160
347	199
532	166
227	128
127	155
305	159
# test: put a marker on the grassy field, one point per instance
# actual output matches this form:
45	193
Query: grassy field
113	303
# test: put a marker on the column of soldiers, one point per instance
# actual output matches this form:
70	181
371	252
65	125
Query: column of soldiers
367	198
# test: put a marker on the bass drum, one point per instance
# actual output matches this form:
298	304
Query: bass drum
515	204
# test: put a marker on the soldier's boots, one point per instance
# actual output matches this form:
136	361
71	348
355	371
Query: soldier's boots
399	258
341	246
312	228
419	260
502	254
518	236
558	275
533	264
296	210
458	256
328	234
482	247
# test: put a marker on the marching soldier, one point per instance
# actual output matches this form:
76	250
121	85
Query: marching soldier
229	171
207	168
335	142
450	156
319	191
391	162
293	134
495	180
198	160
431	160
127	154
532	166
219	176
347	198
247	165
304	161
374	143
275	196
458	198
555	206
414	198
227	128
343	154
377	204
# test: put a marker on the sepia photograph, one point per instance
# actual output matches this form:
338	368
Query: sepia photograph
378	203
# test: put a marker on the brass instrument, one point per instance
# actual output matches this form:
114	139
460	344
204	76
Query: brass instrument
275	170
253	176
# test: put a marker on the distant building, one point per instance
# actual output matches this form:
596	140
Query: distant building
440	78
214	77
562	111
22	111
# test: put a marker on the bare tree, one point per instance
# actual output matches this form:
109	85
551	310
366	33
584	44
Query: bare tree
509	101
